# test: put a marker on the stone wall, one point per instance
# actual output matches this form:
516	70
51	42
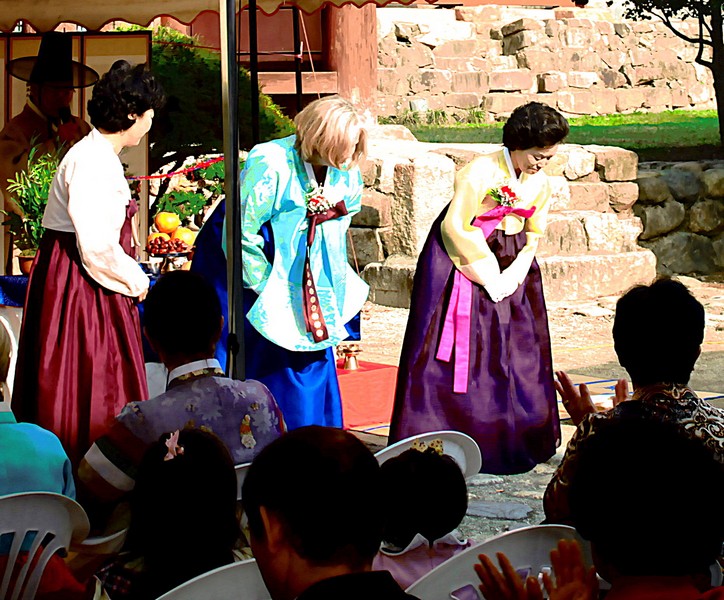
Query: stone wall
681	206
589	248
492	59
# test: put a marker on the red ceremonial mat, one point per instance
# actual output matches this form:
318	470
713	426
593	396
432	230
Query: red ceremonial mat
367	396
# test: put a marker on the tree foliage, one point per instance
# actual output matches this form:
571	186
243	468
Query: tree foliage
707	32
191	123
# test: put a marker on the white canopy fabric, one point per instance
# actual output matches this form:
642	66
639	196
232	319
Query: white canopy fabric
93	14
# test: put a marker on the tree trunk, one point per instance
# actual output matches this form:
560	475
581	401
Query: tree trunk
717	66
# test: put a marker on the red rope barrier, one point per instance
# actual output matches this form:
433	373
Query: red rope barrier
201	165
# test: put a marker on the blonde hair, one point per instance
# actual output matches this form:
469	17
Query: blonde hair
332	130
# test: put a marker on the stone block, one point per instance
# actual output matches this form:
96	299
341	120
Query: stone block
604	101
653	189
463	99
605	233
423	186
577	37
435	80
683	253
391	282
580	162
572	278
707	216
513	80
564	235
502	104
718	244
605	27
622	29
629	100
613	59
537	60
657	98
474	81
552	81
576	103
503	62
612	79
370	170
486	13
622	195
713	180
680	98
523	39
388	106
560	193
615	164
521	25
685	185
366	247
579	59
415	55
552	28
699	93
376	210
455	65
582	79
659	219
456	49
589	196
390	82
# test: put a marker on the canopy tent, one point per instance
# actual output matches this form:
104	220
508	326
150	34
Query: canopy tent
45	15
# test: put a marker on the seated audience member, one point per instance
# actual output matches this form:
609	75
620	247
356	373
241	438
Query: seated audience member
425	498
183	517
649	501
32	459
183	323
312	500
657	333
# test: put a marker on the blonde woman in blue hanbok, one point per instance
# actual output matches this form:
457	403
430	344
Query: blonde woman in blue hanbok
298	196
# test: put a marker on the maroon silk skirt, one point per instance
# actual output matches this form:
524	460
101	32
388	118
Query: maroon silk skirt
80	358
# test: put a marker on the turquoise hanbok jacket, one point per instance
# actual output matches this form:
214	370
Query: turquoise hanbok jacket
275	181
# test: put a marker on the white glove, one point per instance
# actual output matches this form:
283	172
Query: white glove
501	287
495	290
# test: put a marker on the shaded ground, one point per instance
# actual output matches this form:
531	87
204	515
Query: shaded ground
582	343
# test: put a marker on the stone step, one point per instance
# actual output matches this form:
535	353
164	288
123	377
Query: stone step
565	278
589	232
570	278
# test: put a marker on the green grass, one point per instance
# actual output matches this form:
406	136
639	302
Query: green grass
636	131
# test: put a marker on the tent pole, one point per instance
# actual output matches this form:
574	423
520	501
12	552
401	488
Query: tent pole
297	57
230	109
254	71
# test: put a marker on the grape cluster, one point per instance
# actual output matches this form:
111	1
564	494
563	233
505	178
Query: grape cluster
160	246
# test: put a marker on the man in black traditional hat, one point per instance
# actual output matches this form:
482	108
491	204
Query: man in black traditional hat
46	120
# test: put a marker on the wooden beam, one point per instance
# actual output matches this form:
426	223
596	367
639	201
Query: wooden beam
319	82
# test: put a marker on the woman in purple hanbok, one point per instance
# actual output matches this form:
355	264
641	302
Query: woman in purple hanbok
476	356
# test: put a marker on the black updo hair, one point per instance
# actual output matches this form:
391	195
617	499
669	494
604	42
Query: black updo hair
124	90
534	125
425	492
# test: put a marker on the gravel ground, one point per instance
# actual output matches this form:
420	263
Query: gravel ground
582	343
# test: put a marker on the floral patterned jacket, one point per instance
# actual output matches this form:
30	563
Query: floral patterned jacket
670	403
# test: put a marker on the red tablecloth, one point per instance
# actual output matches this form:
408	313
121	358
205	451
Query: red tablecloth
367	394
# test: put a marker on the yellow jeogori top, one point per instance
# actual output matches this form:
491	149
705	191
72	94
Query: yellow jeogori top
466	244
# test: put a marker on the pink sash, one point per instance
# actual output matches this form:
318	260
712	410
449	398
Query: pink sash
456	329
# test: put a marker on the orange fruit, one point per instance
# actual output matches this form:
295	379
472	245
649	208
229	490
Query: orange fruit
184	234
153	236
167	222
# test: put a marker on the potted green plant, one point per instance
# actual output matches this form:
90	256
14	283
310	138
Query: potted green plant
30	190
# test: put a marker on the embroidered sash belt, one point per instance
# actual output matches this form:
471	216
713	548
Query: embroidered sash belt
313	318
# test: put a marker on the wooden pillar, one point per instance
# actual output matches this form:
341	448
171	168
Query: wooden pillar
351	34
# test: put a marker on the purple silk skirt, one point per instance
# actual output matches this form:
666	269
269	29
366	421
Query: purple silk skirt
80	358
510	405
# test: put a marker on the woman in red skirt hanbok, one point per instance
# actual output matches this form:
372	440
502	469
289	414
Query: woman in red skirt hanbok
80	358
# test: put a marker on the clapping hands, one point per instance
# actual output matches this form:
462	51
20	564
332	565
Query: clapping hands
577	402
572	580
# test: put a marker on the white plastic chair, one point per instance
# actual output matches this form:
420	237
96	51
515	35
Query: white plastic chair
527	548
241	471
461	447
46	515
101	545
9	381
230	582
